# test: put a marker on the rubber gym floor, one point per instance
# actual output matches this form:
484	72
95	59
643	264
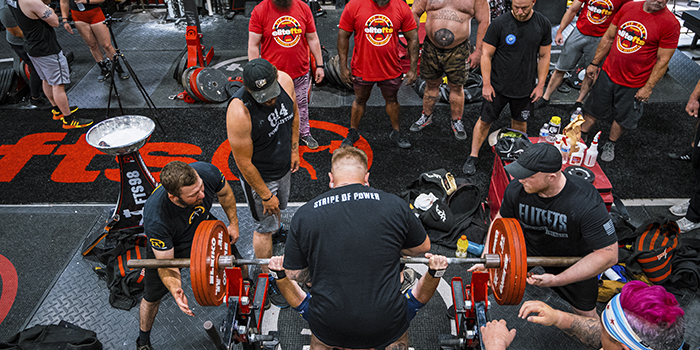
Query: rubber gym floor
58	192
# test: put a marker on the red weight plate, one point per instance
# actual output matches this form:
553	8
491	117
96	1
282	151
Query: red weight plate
508	281
194	87
211	241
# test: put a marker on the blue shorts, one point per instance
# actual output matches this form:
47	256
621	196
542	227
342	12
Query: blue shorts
412	306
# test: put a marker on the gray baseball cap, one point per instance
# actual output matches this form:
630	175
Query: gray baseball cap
260	77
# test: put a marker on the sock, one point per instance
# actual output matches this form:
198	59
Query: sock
144	337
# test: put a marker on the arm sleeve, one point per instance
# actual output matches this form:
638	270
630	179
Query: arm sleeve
508	204
408	23
491	36
415	233
294	258
158	236
211	175
671	33
256	22
309	18
347	18
597	228
546	32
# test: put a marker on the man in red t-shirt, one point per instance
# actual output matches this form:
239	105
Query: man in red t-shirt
375	57
287	32
638	45
594	20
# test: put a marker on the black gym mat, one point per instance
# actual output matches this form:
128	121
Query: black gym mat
38	242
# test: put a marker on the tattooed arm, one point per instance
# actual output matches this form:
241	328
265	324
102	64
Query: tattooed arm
39	10
300	276
585	329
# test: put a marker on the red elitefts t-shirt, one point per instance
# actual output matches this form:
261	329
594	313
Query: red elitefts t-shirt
639	36
375	56
284	35
596	16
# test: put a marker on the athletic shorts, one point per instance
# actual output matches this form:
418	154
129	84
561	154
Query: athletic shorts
575	46
609	98
388	87
582	295
52	68
520	108
267	223
412	306
88	16
154	289
435	61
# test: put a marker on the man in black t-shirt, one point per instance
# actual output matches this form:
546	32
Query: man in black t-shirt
262	121
349	241
170	218
561	215
516	52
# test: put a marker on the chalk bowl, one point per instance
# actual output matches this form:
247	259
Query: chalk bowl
120	135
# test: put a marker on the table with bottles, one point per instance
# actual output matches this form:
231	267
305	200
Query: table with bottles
500	179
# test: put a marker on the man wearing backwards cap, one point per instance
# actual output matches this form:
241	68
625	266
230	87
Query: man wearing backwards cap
561	215
641	317
262	121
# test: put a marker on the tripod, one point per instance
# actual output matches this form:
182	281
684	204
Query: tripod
118	54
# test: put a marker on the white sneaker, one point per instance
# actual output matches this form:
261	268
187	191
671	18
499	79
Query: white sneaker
680	209
686	225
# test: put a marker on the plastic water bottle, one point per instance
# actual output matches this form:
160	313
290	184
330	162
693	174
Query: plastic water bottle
80	5
592	154
544	133
577	112
565	148
554	128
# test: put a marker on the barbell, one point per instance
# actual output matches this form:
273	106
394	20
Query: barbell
506	258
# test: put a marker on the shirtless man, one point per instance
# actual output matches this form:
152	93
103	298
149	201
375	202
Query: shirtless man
446	50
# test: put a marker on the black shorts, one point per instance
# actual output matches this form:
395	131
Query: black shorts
608	98
154	289
520	108
452	62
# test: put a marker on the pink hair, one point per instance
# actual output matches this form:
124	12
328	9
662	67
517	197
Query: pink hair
650	303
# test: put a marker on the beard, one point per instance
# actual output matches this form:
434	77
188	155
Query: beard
283	3
382	3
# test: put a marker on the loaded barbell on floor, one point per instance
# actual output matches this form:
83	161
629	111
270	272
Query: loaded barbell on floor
506	259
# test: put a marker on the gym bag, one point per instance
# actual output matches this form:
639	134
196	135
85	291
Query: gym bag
125	284
654	249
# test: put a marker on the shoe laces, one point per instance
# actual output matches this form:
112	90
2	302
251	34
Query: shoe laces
458	126
423	119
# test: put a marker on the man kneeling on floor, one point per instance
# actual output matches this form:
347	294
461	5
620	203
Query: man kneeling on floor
348	241
365	320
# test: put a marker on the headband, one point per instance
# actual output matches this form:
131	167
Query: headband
616	325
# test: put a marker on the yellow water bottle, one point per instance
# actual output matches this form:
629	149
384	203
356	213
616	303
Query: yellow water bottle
462	245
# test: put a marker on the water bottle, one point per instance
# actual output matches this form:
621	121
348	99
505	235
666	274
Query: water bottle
544	133
81	7
577	112
592	154
554	128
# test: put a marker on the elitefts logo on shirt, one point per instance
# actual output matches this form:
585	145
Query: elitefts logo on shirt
286	31
631	36
378	30
599	11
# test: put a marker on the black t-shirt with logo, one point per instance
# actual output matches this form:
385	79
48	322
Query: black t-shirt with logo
514	64
169	226
351	238
271	134
573	223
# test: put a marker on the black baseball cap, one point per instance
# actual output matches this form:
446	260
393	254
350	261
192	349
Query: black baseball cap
540	157
260	77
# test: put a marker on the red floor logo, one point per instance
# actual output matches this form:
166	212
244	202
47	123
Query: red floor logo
8	275
76	158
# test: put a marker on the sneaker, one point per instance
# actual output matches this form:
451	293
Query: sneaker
469	166
57	115
37	103
410	278
458	129
280	236
275	296
681	156
542	102
422	122
352	137
577	105
310	141
399	138
75	123
680	209
686	225
105	70
146	346
607	153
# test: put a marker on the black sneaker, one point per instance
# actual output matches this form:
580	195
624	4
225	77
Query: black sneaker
37	103
310	141
399	138
458	129
410	278
275	296
542	102
146	346
280	236
469	166
71	122
352	137
685	156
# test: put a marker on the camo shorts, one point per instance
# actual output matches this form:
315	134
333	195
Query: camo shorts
452	62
